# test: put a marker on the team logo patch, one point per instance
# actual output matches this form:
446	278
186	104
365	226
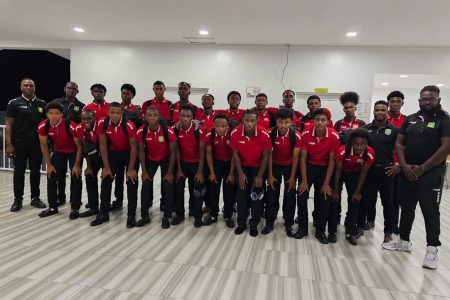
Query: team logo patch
76	108
388	131
40	109
431	125
355	125
160	139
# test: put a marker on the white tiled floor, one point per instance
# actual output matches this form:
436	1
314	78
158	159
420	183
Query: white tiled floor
58	258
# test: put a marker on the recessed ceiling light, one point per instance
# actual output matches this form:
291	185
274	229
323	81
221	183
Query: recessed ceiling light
352	34
385	83
78	29
440	84
403	76
203	32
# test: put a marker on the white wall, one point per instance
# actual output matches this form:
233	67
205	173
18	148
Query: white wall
223	68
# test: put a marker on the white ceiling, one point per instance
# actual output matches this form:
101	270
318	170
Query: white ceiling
298	22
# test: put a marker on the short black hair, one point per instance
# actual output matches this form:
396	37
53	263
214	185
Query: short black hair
313	97
184	83
115	104
187	107
53	105
381	102
89	111
99	86
159	82
149	107
359	133
220	116
287	91
251	111
396	94
349	97
284	113
130	87
431	88
208	95
261	95
233	93
321	111
26	78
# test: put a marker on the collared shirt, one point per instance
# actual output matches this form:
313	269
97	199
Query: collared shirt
62	142
398	121
71	110
208	120
221	146
382	140
423	135
188	146
120	141
306	123
251	148
319	149
83	134
157	148
100	110
266	119
346	123
27	115
353	163
282	153
162	106
236	115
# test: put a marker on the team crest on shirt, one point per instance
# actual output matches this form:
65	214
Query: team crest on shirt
76	108
355	125
431	125
360	161
228	142
388	131
160	139
40	109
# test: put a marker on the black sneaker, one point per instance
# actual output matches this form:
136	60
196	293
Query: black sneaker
353	240
299	234
165	223
239	230
36	202
60	202
229	222
48	212
267	229
116	205
332	238
209	220
88	213
17	205
289	232
369	225
198	223
322	238
360	233
100	219
131	221
74	214
253	231
177	220
142	222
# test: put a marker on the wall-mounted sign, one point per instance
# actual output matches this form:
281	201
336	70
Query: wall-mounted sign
252	91
321	90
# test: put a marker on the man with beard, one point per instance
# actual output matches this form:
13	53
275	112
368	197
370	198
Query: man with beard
422	147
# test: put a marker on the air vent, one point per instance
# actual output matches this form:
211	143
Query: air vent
200	40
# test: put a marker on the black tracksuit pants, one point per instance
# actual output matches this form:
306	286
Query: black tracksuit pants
281	172
244	202
427	191
118	161
222	170
377	181
147	188
350	180
92	181
32	154
60	160
195	204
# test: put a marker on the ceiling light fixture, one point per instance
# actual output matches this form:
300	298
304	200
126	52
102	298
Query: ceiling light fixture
203	32
385	83
78	29
440	84
352	34
403	76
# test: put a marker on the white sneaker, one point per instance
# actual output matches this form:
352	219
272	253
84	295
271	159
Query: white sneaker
431	258
397	244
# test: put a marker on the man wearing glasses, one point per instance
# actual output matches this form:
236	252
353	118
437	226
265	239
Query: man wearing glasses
422	147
